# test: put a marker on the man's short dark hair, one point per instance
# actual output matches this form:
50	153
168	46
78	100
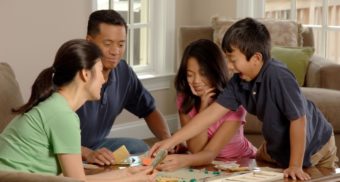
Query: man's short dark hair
110	17
249	36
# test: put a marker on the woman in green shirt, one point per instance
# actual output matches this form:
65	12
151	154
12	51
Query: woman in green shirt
45	136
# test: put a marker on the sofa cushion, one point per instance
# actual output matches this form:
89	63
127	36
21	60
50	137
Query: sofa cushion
283	32
327	101
296	59
10	95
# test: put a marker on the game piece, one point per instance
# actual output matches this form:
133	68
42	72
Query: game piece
161	154
121	154
146	161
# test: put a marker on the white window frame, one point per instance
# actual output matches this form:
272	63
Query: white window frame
161	52
250	8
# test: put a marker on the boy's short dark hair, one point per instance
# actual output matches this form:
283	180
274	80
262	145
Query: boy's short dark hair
109	16
249	36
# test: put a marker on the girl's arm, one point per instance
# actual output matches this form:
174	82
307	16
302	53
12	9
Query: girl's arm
222	137
198	142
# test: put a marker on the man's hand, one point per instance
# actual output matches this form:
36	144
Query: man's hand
296	173
101	156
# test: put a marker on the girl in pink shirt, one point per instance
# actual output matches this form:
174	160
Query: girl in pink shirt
202	75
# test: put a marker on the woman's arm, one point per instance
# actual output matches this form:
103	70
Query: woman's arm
71	165
198	142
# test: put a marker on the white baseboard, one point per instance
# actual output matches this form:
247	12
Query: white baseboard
139	129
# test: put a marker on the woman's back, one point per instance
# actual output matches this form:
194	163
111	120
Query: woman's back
34	138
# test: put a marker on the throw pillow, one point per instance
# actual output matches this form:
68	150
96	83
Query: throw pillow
282	32
296	59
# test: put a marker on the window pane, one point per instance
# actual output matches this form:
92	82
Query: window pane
334	13
278	9
309	11
140	47
122	7
317	32
333	43
140	11
102	4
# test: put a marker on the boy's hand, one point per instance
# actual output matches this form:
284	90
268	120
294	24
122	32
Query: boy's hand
296	173
164	144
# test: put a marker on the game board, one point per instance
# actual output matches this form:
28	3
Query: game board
262	176
187	175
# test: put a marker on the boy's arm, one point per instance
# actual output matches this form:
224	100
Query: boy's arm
297	149
197	124
198	142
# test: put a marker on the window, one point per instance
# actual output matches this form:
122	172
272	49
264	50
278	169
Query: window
150	25
322	15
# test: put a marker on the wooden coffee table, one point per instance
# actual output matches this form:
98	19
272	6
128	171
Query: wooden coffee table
316	173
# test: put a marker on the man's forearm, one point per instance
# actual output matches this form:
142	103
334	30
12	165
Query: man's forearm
158	125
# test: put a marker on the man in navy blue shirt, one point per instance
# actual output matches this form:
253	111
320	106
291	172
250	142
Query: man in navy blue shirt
296	133
122	90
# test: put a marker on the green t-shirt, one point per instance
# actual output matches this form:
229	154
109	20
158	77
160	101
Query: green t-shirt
31	141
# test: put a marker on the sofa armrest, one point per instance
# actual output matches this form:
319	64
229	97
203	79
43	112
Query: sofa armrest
323	73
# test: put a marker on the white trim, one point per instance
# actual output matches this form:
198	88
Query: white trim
162	30
139	129
249	8
152	83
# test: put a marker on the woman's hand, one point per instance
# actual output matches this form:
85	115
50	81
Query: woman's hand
173	162
140	174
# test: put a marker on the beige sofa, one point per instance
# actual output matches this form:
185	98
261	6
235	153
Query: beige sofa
322	83
10	96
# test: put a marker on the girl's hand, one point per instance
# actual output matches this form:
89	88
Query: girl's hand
173	162
207	98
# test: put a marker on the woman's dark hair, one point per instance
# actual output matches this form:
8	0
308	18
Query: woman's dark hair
249	36
211	60
72	56
109	16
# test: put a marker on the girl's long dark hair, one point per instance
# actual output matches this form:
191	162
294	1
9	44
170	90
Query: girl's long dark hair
72	56
211	60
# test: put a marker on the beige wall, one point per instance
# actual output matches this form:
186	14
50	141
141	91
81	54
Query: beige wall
199	12
32	31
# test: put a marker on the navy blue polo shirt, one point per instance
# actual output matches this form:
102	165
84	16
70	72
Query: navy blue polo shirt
123	90
275	98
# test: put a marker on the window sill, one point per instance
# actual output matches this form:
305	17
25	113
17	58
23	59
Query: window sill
157	82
